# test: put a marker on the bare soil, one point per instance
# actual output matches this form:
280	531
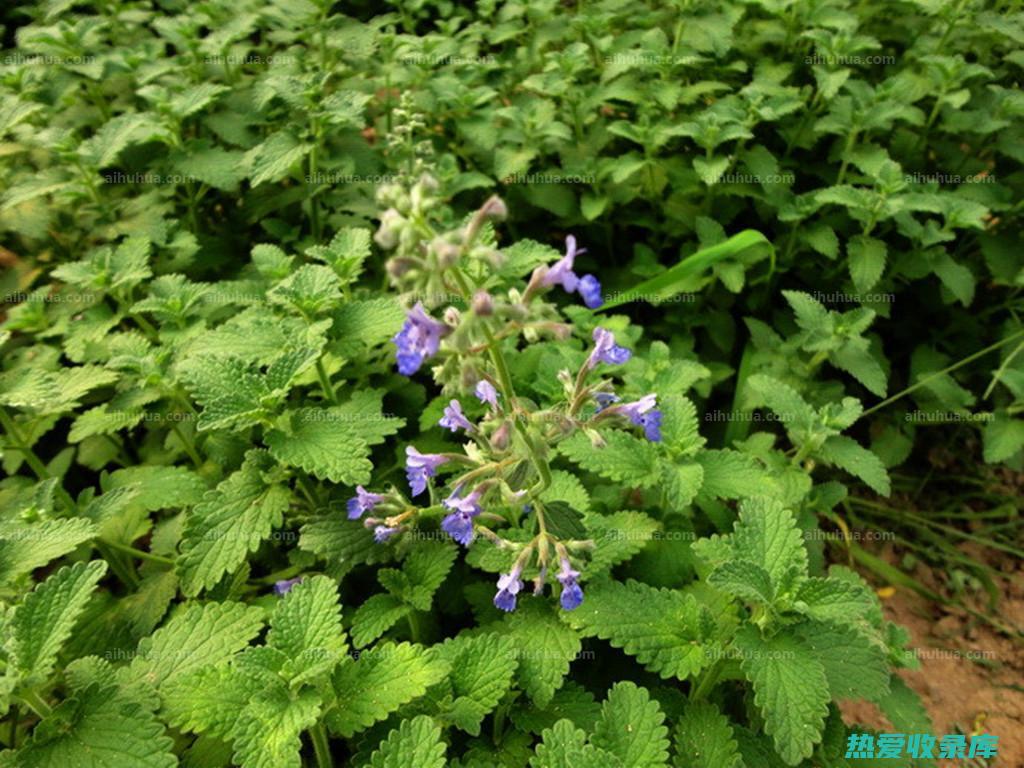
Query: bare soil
972	675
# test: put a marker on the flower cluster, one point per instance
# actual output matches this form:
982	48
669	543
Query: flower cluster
496	482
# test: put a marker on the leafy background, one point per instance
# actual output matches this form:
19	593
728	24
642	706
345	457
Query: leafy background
151	420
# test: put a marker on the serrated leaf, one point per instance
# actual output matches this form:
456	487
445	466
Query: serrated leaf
867	261
308	618
846	453
23	548
790	689
200	636
625	459
376	616
98	728
631	727
380	681
45	619
230	522
729	474
854	664
544	648
267	732
415	742
564	745
661	627
704	738
482	669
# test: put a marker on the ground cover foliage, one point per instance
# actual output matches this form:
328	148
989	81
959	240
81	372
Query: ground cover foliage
471	385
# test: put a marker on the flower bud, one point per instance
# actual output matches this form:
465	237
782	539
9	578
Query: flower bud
452	317
483	303
494	208
499	439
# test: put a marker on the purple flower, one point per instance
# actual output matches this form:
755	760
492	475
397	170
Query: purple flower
643	413
509	585
284	587
459	524
604	399
590	290
419	467
572	592
362	502
606	350
419	339
486	392
560	273
382	533
454	419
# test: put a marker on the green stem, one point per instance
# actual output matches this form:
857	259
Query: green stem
415	627
321	746
850	141
707	682
142	555
124	571
35	702
33	461
921	382
325	382
187	444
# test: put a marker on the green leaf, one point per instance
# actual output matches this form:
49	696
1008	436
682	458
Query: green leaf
680	277
563	521
625	459
45	619
98	728
308	618
631	727
23	548
267	733
767	535
208	700
199	636
275	157
790	688
482	669
745	580
544	647
415	742
854	664
376	616
333	443
847	454
230	522
704	738
379	682
1003	438
564	746
867	261
661	627
730	474
423	571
